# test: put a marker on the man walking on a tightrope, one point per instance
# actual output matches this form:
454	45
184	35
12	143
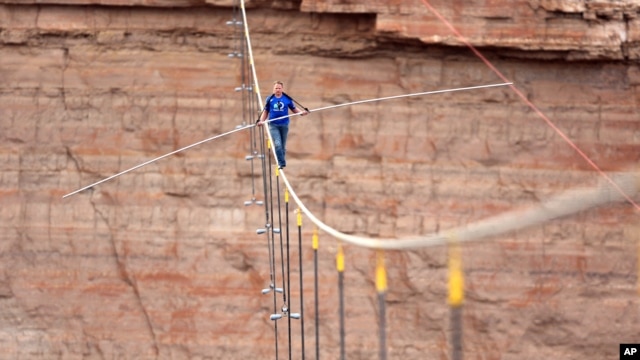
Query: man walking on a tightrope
277	106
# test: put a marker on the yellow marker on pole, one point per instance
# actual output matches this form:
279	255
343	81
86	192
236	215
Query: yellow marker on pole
340	258
286	195
456	276
315	238
299	215
381	273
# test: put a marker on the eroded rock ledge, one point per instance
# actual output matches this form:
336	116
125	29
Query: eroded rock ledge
570	30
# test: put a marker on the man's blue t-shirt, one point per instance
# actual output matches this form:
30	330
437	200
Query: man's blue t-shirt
279	107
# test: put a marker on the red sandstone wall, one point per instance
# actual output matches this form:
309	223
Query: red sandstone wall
164	262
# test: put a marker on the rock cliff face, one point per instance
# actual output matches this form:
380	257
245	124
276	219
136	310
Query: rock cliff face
164	262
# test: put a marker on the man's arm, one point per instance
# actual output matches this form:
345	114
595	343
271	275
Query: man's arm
263	116
298	111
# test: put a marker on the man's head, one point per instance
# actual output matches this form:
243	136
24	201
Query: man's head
277	88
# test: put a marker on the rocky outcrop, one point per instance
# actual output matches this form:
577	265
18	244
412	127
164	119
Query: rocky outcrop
165	263
561	29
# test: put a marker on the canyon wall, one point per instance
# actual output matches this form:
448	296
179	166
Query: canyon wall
164	261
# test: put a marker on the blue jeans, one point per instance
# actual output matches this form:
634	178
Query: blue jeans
279	135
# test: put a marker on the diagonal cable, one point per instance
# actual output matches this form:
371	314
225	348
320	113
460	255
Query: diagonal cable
529	103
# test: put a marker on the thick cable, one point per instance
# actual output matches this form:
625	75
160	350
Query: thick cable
524	98
256	89
249	94
244	77
247	104
256	85
567	203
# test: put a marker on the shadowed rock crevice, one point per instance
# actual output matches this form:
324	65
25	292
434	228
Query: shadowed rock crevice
125	275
